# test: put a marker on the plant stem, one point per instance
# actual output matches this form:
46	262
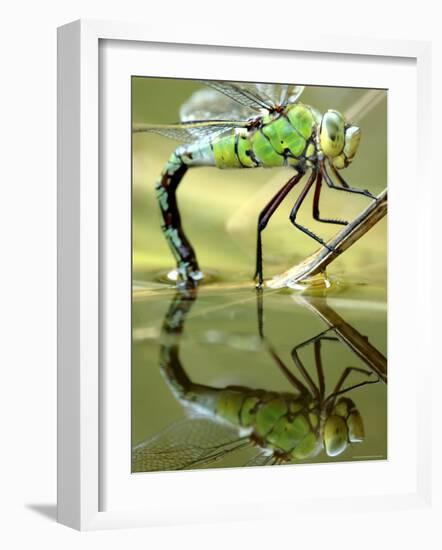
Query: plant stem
358	343
317	262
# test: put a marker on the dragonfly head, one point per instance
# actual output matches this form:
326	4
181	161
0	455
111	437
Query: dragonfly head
339	141
343	426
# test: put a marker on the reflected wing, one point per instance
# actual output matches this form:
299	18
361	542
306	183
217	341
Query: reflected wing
188	132
189	443
261	459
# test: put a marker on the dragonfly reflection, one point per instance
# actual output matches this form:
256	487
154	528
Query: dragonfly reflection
280	427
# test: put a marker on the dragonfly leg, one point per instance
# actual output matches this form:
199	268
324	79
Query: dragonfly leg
345	186
294	380
345	375
295	210
338	388
279	362
319	368
260	312
321	335
299	364
264	219
316	214
171	224
316	341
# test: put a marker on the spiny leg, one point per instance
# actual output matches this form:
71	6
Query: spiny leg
296	208
264	218
316	196
166	194
345	186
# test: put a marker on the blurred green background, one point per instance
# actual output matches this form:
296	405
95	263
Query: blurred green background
219	210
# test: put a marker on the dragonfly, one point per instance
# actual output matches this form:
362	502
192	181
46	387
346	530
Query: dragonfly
244	126
276	427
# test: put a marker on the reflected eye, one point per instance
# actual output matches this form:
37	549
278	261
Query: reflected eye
335	435
355	427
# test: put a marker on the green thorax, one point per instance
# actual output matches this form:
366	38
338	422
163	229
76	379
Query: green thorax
278	139
281	422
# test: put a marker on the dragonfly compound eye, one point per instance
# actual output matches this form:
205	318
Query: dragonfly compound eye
351	144
332	134
346	408
355	425
335	435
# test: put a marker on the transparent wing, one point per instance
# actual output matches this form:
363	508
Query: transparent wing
247	95
280	94
211	112
261	459
186	444
188	132
235	101
206	104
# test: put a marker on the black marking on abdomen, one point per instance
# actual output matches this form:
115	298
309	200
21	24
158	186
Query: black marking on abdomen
251	154
236	150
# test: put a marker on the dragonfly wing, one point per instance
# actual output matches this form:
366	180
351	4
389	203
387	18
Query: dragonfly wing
187	132
294	92
247	95
258	96
261	459
187	444
236	101
223	108
280	94
206	104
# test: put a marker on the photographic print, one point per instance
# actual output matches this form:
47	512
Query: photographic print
259	274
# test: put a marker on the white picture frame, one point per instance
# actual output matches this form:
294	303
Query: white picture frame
81	293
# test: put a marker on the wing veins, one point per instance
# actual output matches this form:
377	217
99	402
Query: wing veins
240	95
190	131
284	94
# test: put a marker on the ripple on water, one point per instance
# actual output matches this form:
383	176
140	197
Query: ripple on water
171	277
